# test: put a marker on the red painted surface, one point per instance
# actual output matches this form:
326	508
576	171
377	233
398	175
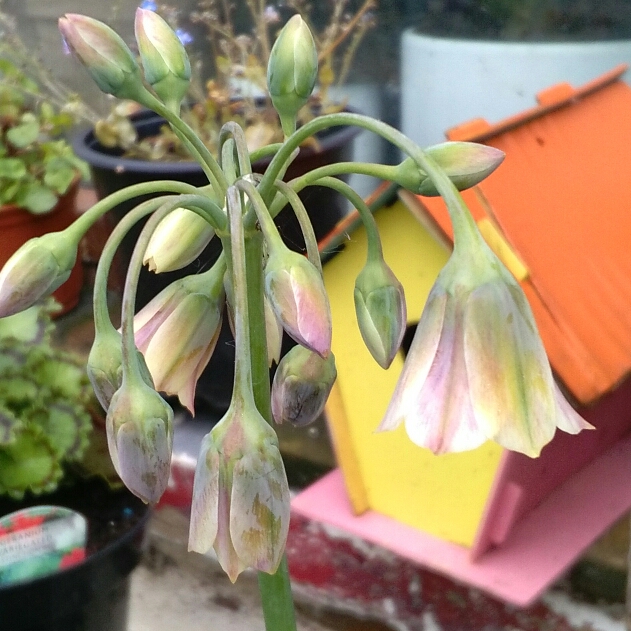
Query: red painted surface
332	568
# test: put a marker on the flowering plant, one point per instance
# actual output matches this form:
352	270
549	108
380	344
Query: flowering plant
476	371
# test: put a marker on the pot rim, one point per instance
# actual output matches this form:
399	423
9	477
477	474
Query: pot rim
88	148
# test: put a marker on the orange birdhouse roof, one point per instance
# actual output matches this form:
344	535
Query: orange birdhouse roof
562	202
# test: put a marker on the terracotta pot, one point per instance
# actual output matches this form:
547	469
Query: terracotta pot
18	226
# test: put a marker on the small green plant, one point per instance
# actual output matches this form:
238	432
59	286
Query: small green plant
45	403
36	164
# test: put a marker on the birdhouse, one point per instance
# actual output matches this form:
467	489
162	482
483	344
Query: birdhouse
557	213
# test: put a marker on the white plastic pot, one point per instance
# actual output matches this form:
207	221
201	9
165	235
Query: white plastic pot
446	82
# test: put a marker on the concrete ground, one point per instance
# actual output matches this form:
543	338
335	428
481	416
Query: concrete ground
173	590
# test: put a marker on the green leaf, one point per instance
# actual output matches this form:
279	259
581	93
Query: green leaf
37	198
9	423
10	192
25	133
67	427
59	175
12	168
28	463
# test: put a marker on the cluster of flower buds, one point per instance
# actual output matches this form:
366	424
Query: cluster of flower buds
477	369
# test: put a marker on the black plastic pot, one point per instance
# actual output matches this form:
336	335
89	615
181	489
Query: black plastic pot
93	595
111	172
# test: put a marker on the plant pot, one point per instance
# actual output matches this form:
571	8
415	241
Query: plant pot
449	81
111	172
93	595
18	226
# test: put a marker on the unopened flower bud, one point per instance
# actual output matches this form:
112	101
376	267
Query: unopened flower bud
177	241
35	270
381	311
164	60
104	54
240	501
465	163
104	365
297	295
139	427
292	71
301	386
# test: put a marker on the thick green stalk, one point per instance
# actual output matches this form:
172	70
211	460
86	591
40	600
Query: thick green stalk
275	589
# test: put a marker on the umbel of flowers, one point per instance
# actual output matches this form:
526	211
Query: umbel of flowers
476	371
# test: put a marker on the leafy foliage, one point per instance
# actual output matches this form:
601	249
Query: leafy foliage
45	402
36	165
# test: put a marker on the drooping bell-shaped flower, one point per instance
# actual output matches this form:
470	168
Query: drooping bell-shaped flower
477	369
36	269
139	426
177	332
465	164
381	311
240	501
301	386
292	71
177	241
164	60
104	54
296	292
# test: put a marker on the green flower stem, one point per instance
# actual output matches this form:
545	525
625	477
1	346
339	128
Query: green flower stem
189	137
85	221
101	314
460	216
130	365
270	231
275	589
379	171
242	365
265	152
375	251
234	131
202	206
305	223
278	604
228	165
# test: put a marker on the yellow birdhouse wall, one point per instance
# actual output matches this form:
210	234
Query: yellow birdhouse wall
384	471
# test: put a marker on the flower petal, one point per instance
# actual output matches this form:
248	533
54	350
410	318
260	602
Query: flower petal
259	515
568	419
419	359
204	508
509	374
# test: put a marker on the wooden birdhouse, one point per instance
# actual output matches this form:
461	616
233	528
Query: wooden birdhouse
557	213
